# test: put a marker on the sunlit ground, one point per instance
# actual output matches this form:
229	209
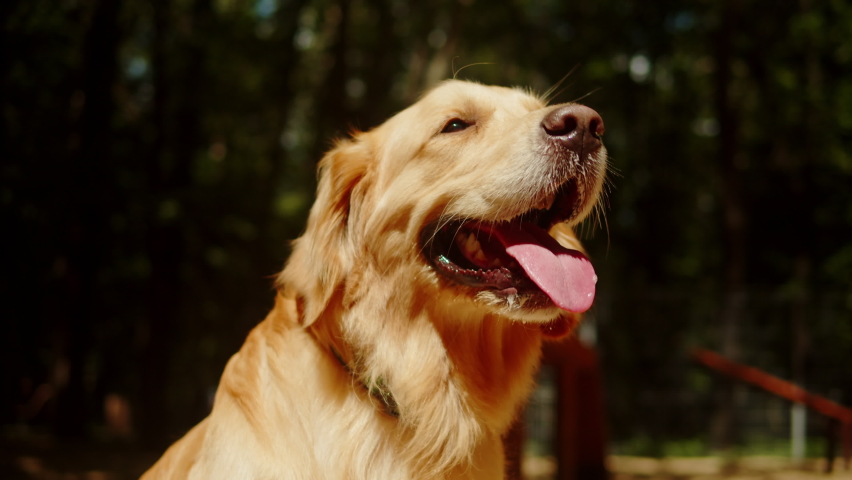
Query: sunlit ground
77	462
758	458
42	457
706	468
700	468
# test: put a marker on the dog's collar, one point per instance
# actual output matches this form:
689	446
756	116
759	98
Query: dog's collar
379	390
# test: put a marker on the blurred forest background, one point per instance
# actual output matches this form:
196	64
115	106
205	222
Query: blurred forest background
157	156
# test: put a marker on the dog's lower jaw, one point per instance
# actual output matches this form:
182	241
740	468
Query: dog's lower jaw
519	307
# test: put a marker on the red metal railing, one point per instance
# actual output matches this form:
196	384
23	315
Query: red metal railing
784	389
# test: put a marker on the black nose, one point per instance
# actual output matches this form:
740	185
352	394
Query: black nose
577	127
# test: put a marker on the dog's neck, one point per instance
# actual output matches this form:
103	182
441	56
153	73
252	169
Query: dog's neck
379	390
452	376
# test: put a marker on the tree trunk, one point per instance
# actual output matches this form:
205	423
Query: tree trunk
91	190
733	226
176	106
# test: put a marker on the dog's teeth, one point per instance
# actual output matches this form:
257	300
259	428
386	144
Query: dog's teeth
464	243
471	244
496	263
471	247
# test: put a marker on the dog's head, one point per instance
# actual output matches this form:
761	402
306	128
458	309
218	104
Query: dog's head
460	198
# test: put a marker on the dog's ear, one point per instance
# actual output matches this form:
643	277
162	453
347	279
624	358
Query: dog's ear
323	255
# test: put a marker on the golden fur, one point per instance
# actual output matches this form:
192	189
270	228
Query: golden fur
458	362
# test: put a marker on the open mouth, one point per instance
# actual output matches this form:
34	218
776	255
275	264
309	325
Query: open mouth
516	256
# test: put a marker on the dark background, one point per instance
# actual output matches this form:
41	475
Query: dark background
156	158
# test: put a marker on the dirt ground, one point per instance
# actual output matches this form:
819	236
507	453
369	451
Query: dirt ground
699	468
67	461
711	468
54	461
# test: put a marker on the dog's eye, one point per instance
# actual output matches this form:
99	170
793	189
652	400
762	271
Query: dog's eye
455	125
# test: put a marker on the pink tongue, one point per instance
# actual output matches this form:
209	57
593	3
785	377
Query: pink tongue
566	276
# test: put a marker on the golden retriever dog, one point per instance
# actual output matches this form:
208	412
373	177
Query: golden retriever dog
408	321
